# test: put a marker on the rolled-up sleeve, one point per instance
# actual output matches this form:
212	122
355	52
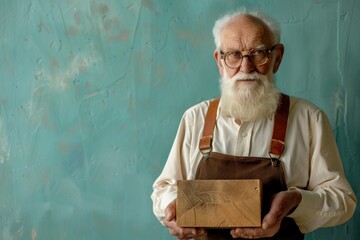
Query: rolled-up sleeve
328	199
165	186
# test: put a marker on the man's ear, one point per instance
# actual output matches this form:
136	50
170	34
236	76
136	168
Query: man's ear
278	57
218	61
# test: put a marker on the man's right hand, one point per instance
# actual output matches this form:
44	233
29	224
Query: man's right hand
179	232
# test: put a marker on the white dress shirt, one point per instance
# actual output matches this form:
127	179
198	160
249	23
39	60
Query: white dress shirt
311	160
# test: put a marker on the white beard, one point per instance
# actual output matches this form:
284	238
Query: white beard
248	101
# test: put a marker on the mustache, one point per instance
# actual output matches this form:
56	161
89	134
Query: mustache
249	76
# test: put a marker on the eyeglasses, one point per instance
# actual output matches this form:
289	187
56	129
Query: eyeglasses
258	57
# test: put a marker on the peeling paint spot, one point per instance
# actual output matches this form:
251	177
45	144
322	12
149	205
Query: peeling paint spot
60	80
42	27
38	74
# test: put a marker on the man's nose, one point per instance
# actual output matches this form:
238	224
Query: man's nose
246	65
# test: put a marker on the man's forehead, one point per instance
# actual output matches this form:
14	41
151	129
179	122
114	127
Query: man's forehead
234	41
245	32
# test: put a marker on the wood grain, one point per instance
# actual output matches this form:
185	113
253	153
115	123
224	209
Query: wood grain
219	203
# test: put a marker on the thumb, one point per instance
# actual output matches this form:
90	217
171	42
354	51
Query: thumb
169	215
276	212
268	221
170	211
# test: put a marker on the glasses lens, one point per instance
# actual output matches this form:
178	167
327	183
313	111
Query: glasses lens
258	56
233	59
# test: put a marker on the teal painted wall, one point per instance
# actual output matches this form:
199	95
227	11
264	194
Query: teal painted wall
91	94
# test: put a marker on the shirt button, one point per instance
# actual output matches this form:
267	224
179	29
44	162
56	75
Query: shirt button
244	134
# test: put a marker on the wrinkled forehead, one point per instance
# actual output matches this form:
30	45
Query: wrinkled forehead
246	32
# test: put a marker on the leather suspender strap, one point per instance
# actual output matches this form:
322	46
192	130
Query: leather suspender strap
278	138
281	117
205	144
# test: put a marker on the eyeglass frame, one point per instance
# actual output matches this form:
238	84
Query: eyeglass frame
268	51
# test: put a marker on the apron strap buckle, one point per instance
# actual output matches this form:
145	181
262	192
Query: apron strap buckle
205	145
275	161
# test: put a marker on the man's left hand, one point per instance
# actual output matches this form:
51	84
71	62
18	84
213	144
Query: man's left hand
281	205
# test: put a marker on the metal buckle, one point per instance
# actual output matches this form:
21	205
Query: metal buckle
275	161
206	152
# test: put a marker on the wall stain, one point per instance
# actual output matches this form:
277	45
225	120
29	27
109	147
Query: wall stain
195	38
149	5
72	31
123	36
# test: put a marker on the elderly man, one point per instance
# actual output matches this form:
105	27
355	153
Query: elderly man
307	187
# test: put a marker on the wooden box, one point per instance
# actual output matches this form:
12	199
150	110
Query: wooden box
219	203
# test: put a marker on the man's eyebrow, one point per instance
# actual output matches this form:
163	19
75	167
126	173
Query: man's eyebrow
231	49
261	46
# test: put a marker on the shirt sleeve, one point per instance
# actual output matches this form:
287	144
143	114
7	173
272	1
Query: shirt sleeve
165	186
328	199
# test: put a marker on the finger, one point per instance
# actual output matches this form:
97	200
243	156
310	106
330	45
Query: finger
247	232
179	232
190	232
185	233
233	233
200	232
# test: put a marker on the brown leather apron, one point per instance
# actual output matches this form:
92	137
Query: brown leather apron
221	166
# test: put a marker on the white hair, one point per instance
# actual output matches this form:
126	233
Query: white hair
222	22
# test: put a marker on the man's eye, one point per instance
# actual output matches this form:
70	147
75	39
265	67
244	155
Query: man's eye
257	52
235	55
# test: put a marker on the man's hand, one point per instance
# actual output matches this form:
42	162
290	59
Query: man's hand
281	205
180	233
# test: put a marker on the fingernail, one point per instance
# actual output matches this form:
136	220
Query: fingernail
169	216
265	225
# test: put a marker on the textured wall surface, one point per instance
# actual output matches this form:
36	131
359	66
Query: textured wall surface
91	94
